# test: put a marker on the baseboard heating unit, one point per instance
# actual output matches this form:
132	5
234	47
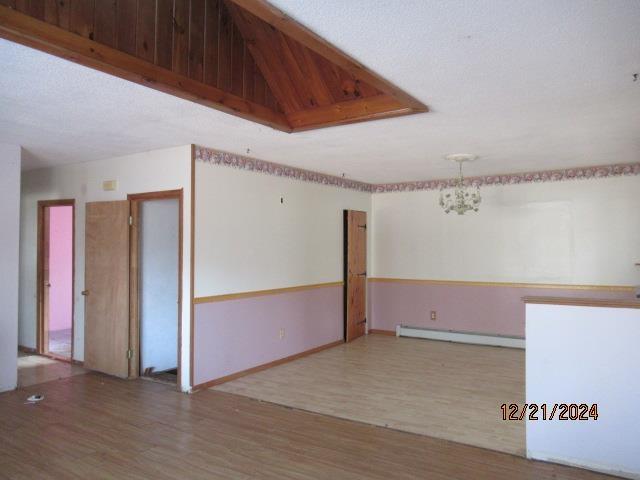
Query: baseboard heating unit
460	337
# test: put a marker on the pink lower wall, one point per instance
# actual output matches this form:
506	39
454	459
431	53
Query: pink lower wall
60	267
235	335
496	310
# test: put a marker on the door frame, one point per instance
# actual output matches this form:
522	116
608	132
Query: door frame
134	264
42	321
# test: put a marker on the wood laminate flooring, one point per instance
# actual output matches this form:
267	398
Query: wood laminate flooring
446	390
99	427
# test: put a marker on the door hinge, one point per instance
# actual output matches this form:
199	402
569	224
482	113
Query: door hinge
130	220
129	354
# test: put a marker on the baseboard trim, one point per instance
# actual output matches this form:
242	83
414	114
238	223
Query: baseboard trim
264	366
461	337
23	349
375	331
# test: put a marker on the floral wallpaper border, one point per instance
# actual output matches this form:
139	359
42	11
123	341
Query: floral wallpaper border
216	157
583	173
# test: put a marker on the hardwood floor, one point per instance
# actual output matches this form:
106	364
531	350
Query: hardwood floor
446	390
99	427
34	369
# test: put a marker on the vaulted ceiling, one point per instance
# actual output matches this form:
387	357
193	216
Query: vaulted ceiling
243	57
526	85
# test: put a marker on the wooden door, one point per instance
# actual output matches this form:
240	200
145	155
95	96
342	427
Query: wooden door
106	317
355	301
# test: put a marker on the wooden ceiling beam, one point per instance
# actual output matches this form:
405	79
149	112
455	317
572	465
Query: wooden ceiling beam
23	29
298	32
351	111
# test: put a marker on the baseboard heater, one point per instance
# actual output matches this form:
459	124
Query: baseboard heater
460	337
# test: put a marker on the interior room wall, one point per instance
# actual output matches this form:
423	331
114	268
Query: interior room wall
60	267
9	246
470	269
166	169
158	283
260	232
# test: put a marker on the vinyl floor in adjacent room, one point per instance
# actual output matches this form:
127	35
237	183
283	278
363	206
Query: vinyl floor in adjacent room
60	342
441	389
34	369
99	427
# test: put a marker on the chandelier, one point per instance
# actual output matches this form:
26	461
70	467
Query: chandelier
461	199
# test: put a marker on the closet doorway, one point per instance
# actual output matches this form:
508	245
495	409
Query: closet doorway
156	284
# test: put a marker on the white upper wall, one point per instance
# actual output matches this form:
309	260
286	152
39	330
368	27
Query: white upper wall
9	246
247	240
572	232
157	170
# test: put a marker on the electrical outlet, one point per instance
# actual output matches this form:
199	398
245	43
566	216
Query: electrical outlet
281	333
433	315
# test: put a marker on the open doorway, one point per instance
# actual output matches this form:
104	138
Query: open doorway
55	278
156	284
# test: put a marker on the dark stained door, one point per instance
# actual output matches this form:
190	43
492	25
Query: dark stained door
355	228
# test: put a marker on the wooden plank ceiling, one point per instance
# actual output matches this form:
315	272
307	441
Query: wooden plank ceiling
243	57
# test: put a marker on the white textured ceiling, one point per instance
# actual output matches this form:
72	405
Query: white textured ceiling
526	85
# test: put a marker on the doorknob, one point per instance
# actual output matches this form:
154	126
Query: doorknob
84	292
47	284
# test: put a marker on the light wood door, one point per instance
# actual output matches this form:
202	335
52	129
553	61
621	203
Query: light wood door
355	227
106	319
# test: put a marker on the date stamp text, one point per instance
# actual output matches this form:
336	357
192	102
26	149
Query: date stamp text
543	411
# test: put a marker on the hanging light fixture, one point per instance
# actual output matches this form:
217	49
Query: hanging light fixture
461	199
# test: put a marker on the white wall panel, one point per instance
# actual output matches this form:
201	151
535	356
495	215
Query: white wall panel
10	156
247	240
562	368
573	232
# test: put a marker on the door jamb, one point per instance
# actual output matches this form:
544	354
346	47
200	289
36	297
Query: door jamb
134	299
42	346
